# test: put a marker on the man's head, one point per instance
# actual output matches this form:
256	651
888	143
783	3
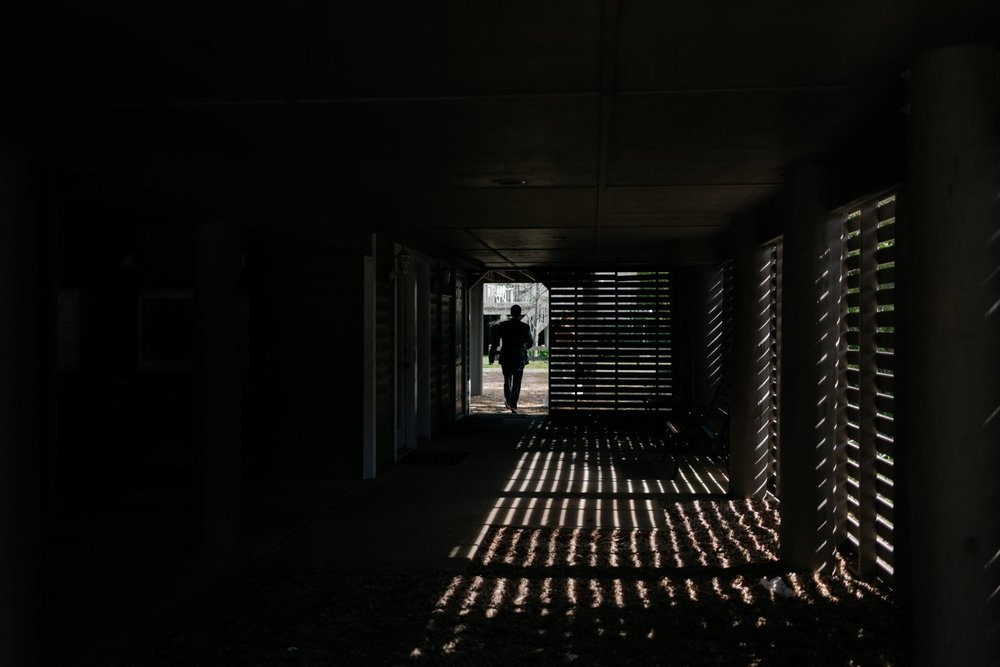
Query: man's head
515	311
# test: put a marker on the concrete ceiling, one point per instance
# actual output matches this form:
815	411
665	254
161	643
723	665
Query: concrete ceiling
640	129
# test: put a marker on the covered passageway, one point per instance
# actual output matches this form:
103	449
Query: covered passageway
244	250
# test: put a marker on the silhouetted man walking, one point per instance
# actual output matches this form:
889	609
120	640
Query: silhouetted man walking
514	339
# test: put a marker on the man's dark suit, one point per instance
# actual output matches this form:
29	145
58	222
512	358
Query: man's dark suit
514	338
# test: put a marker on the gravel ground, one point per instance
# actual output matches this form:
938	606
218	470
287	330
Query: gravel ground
686	596
533	400
690	591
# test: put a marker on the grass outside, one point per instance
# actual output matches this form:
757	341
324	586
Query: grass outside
533	364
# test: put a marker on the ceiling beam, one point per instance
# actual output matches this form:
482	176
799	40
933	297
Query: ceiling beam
416	99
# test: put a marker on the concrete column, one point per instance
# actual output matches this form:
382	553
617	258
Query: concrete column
218	252
751	366
953	246
809	372
476	339
20	411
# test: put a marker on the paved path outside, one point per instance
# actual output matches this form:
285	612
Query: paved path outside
534	399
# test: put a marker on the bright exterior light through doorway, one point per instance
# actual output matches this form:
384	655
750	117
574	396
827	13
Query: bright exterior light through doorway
534	301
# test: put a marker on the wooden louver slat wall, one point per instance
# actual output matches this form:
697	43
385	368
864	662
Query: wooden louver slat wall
611	346
868	366
773	361
718	338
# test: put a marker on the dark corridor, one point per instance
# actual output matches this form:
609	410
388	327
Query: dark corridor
243	257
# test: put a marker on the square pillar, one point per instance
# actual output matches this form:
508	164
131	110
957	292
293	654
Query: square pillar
748	457
20	413
810	335
218	256
476	339
953	319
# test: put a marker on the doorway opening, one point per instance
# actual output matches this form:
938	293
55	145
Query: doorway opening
533	298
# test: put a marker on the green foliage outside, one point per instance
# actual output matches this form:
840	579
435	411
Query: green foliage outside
533	363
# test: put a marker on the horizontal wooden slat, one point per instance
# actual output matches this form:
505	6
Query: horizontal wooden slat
886	296
611	345
886	207
885	362
853	432
884	513
852	223
884	551
884	467
885	425
886	275
885	319
886	384
853	396
886	255
886	232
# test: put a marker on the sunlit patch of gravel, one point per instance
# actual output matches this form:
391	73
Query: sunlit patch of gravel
691	594
533	399
687	595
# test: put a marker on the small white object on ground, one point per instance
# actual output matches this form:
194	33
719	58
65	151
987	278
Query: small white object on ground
777	586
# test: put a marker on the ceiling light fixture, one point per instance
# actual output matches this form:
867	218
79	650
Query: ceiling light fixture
508	182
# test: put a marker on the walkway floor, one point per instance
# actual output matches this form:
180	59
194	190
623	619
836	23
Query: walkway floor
533	400
520	539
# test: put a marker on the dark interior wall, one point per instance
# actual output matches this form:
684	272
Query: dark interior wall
460	370
303	383
125	443
113	410
438	332
443	344
385	353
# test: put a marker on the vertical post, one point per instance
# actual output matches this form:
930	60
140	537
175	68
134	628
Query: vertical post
218	253
476	339
406	330
20	413
809	373
423	351
460	350
748	459
953	317
49	339
369	458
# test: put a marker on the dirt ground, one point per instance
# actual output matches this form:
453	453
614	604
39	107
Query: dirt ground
534	398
